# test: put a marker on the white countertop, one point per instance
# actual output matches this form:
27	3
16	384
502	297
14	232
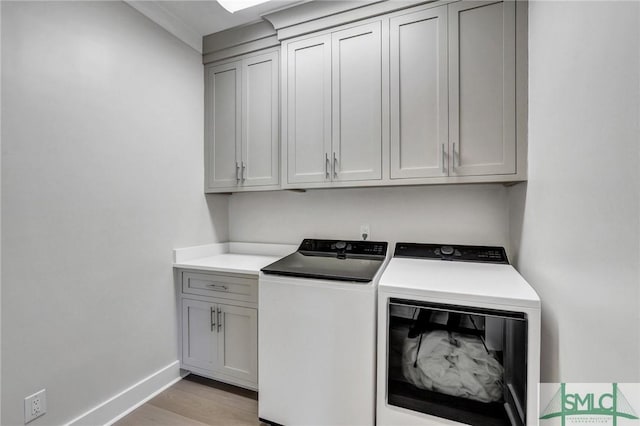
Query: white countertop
239	258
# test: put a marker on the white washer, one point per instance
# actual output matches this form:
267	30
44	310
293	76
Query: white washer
317	336
428	281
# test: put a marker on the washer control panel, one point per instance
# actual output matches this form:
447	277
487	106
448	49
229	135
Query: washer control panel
343	247
483	254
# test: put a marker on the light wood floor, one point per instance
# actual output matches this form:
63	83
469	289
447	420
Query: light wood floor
196	401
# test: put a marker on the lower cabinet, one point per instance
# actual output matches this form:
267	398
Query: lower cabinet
220	338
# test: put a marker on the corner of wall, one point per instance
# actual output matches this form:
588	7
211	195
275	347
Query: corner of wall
219	212
516	201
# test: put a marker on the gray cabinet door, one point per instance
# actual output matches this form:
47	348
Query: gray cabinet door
357	103
309	109
199	335
482	88
237	342
418	94
260	106
222	124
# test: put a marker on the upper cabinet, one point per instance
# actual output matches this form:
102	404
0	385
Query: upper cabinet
423	95
371	96
260	104
356	70
453	92
223	124
307	121
334	107
241	123
482	88
419	115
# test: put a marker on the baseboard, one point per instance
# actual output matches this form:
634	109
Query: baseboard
118	406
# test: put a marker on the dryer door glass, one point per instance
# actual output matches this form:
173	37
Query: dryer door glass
460	363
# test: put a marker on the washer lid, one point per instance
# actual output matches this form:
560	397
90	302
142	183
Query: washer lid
342	260
465	281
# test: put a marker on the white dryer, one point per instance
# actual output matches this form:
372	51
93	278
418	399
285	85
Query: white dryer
458	339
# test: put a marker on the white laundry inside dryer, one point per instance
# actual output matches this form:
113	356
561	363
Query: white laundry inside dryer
454	364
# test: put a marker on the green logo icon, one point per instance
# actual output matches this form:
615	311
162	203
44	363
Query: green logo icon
613	405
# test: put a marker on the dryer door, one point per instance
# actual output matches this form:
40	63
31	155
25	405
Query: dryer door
459	363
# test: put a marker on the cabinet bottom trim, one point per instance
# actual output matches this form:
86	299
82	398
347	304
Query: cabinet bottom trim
220	377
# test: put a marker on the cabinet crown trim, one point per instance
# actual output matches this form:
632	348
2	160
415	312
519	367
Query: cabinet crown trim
318	15
238	41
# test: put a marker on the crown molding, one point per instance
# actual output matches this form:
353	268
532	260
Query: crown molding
167	20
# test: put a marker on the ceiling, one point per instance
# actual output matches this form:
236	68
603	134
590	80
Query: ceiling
191	20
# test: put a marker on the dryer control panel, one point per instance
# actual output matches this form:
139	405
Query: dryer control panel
482	254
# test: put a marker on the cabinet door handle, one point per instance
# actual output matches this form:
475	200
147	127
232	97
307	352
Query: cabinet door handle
455	154
213	321
219	319
326	165
237	172
224	287
444	170
335	166
243	173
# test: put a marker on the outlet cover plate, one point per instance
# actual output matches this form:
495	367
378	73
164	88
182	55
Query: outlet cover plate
365	231
35	406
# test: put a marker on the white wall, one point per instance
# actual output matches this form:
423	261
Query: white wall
575	224
473	214
0	219
102	175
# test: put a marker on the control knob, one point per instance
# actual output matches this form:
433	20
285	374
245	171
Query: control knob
446	250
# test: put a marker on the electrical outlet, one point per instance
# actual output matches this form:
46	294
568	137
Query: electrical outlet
365	232
35	406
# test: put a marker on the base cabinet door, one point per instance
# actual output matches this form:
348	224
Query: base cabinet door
220	341
482	88
199	338
238	342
